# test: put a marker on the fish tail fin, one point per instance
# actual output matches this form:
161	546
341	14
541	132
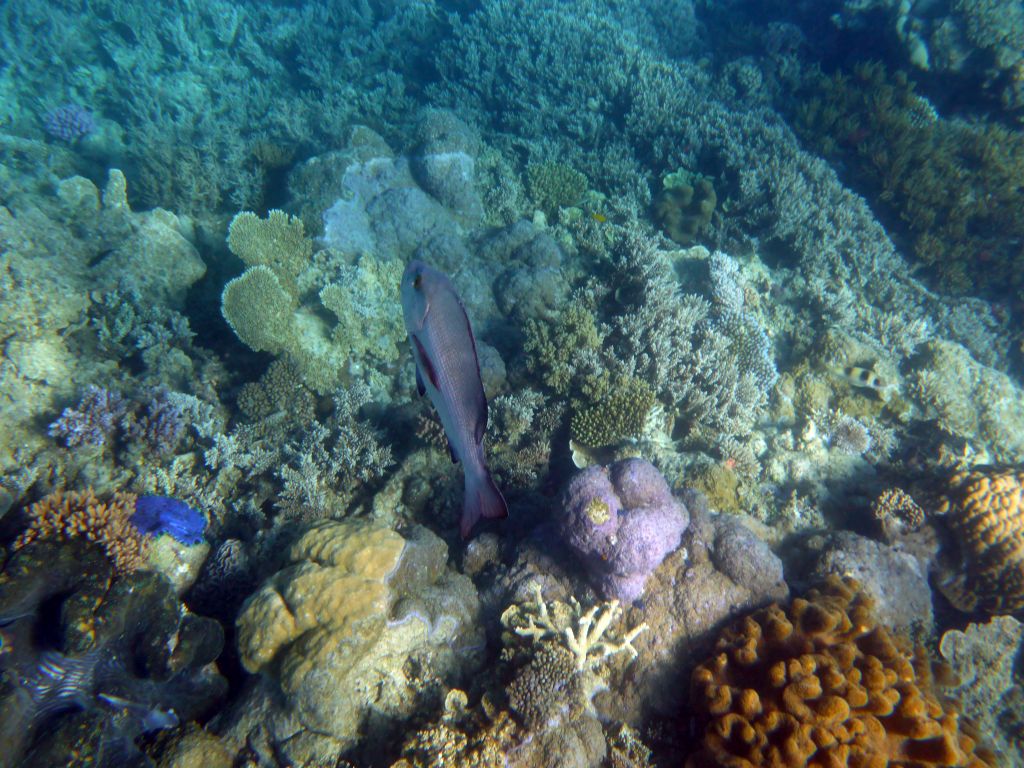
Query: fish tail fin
483	499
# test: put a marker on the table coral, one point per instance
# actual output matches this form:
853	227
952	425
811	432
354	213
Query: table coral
66	515
982	567
820	683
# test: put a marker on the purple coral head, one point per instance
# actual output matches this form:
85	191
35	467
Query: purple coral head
645	524
155	515
69	122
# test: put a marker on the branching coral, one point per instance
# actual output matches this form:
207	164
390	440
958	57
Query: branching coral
585	634
66	515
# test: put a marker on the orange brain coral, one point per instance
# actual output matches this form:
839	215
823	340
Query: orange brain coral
984	511
65	515
820	684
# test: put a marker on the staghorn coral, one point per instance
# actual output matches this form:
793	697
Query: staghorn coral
982	567
565	650
93	422
820	683
67	515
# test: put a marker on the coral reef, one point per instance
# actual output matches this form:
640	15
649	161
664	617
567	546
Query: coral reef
981	567
821	681
69	515
970	401
894	579
355	604
899	146
720	570
618	415
983	657
621	521
63	251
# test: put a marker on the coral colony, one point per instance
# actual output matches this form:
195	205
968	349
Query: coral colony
733	322
69	123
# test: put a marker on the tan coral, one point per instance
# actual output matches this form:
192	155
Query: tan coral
820	683
65	515
337	585
984	512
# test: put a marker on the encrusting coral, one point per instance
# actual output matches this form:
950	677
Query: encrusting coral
982	568
66	515
820	683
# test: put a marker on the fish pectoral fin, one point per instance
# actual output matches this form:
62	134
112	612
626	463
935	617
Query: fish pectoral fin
420	386
425	366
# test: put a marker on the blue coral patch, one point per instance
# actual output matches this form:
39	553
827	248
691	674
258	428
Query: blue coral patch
155	515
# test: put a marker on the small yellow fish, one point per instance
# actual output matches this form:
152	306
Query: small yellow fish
600	218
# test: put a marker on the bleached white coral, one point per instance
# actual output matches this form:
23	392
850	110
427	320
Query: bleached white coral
586	634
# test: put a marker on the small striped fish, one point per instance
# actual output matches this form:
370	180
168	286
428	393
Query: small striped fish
865	378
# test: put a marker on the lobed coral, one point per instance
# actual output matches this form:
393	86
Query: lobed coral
683	209
67	515
334	633
821	683
622	522
982	567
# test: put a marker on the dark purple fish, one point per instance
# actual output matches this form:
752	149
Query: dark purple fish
447	369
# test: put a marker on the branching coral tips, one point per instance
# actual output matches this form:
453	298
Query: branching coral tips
447	369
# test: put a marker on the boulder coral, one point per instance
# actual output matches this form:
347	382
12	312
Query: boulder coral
821	683
981	567
333	634
621	521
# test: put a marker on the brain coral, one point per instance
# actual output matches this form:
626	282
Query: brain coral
982	569
821	684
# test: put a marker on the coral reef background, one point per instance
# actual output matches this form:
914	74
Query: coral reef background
746	280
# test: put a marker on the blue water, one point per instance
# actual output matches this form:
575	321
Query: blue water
733	307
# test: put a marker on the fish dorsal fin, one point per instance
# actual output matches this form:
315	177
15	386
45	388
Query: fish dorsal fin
425	366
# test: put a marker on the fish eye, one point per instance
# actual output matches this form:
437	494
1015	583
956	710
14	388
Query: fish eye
416	281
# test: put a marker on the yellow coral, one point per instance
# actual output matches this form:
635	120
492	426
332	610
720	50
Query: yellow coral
336	590
278	242
65	515
984	511
259	310
820	683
